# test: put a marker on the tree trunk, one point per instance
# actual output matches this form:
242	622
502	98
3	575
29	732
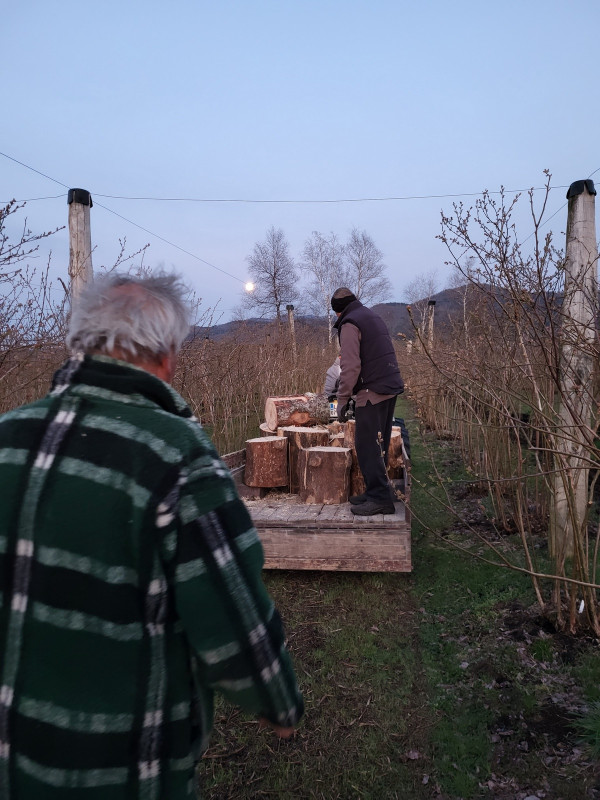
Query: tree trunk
305	409
266	462
324	474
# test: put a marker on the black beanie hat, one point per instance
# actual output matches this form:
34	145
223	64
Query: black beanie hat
338	304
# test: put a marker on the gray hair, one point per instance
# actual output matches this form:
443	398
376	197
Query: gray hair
146	316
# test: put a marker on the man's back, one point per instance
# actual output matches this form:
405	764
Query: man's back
120	533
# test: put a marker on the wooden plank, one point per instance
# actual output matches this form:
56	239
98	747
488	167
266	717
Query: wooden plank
339	565
322	514
263	512
234	460
331	512
292	549
336	544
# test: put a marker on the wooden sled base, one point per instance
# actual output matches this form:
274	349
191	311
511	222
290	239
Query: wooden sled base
329	537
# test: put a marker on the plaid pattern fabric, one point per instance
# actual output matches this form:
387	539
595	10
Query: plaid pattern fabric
130	590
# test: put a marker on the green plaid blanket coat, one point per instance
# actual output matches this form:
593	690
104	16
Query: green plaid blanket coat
130	590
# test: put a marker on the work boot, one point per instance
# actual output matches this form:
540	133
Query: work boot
357	499
372	507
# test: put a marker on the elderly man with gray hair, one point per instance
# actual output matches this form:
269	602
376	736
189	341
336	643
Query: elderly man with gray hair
130	571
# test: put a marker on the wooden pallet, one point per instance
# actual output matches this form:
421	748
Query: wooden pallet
327	537
300	536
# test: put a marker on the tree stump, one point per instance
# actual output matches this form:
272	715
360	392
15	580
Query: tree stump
301	438
302	409
324	475
266	462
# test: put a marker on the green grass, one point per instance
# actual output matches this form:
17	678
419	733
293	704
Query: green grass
588	728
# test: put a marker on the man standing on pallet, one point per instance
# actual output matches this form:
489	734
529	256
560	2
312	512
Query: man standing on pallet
369	371
130	571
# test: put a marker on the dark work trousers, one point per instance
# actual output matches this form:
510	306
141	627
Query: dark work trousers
372	440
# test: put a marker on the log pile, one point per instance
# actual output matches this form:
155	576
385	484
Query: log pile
301	450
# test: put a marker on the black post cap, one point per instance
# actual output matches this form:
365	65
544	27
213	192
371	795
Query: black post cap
79	196
577	187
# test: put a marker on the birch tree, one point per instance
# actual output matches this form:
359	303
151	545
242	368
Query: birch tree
323	263
365	269
274	273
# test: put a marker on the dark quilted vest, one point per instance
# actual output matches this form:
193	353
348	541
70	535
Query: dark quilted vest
379	366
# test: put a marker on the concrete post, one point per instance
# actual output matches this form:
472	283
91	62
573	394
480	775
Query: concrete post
290	311
578	345
80	240
430	316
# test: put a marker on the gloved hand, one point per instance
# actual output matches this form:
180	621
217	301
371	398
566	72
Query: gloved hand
343	412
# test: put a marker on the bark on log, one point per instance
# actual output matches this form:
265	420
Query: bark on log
349	433
266	462
357	482
395	459
335	427
300	438
304	409
324	475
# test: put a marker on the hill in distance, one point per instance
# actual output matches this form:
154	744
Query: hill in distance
395	316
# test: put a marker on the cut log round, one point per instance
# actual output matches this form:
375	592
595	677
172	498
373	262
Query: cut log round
300	438
266	462
265	430
324	475
301	409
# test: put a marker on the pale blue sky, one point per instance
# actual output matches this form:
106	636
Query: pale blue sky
291	100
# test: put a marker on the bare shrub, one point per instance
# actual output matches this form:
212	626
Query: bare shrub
32	317
496	384
227	380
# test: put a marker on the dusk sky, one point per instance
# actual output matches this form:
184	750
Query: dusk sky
296	101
